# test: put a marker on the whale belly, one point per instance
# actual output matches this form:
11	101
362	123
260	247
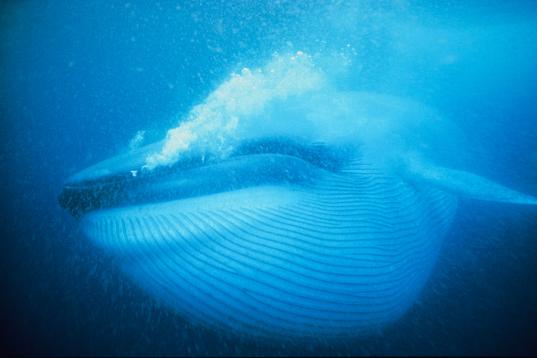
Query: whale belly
343	254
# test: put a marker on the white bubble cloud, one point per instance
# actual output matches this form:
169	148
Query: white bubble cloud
214	124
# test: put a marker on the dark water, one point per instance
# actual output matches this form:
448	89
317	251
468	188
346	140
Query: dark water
79	79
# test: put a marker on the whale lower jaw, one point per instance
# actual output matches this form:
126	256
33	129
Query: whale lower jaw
341	256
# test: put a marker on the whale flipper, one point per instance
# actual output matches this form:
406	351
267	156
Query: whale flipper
462	183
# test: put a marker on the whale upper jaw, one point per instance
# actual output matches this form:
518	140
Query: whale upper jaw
123	180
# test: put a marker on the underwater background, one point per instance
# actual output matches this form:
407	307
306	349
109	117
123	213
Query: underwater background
81	80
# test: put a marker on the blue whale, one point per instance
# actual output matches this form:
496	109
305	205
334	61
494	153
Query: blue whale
284	236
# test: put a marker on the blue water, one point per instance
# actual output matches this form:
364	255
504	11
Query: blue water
80	79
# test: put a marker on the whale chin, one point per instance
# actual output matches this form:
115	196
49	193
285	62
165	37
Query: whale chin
280	238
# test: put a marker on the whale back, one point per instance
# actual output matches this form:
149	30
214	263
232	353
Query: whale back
342	254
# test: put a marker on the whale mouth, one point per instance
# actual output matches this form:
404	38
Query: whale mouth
122	180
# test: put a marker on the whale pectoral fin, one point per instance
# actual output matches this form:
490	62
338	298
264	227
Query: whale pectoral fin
463	183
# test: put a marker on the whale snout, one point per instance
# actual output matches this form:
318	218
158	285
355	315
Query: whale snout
123	180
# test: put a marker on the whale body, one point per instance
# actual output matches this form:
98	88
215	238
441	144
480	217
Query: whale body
284	236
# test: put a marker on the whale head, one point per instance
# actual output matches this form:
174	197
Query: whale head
283	236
